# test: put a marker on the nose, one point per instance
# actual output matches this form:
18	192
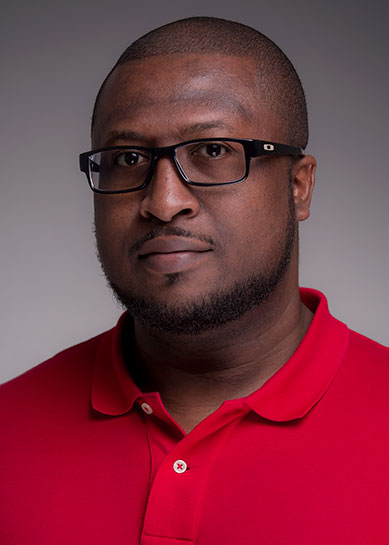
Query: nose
168	195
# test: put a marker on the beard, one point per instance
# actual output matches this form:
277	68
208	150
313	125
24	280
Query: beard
218	307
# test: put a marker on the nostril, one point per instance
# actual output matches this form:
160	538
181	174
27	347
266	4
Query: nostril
186	211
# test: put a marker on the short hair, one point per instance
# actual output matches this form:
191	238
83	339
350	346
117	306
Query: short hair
280	84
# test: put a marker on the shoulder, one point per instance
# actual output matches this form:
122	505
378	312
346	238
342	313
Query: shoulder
364	350
70	368
364	373
370	362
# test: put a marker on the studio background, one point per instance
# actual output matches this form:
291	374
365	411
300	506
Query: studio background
54	56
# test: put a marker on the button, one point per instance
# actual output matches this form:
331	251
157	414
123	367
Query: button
180	466
146	408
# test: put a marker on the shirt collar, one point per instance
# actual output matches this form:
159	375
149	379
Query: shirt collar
301	382
113	391
289	394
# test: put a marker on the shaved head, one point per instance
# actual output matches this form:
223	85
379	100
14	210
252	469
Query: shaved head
277	81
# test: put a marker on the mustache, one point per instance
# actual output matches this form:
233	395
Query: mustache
169	231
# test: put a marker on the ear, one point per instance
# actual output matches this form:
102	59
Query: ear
303	181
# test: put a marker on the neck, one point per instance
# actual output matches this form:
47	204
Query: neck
194	374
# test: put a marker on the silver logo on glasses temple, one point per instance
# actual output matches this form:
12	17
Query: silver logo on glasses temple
268	147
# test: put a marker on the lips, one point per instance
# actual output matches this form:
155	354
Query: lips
172	254
165	245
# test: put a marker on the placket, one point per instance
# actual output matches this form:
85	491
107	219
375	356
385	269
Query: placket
180	483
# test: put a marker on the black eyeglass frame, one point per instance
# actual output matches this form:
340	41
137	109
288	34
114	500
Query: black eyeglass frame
252	148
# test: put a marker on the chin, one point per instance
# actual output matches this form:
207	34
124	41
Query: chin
200	312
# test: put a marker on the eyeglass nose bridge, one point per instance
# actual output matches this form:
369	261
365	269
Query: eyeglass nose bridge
156	154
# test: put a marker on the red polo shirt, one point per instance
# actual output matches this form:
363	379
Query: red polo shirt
86	458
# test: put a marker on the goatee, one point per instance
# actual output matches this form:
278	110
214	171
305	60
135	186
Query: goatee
215	308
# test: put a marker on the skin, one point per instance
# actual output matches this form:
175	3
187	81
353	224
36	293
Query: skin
161	101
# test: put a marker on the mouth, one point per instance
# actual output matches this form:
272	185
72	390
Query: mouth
168	255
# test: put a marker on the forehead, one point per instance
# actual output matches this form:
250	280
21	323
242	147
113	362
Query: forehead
170	94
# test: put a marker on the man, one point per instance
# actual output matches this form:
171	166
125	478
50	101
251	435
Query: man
226	407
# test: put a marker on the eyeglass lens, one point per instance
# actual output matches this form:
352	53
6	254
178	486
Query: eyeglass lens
210	162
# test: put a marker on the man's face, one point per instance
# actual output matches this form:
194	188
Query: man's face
185	258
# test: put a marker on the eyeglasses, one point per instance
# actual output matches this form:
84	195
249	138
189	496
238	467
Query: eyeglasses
202	162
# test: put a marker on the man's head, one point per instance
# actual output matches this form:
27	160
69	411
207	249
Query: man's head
187	259
277	80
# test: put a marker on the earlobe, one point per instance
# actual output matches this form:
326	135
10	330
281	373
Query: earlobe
303	181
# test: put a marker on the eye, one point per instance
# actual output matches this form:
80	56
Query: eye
130	158
211	150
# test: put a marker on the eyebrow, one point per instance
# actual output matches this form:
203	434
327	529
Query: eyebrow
113	136
135	136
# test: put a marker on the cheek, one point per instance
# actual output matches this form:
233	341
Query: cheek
255	221
257	210
112	224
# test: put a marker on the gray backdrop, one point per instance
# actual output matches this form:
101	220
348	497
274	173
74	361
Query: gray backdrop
55	55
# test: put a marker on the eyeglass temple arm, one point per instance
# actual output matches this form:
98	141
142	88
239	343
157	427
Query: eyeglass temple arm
271	148
83	161
86	164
